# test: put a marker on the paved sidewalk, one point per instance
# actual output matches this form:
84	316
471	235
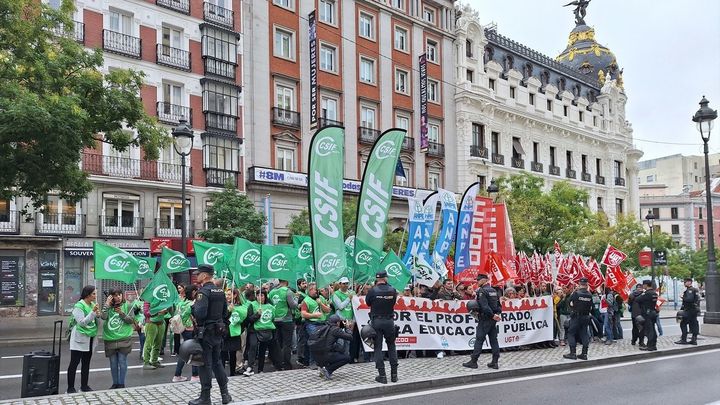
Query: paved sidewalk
355	381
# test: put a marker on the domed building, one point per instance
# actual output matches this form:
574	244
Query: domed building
585	55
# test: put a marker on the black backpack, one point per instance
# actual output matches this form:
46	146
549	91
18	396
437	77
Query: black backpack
317	341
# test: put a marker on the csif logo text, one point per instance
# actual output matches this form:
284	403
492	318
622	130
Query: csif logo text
304	251
212	256
249	258
363	257
385	150
325	146
161	293
393	270
277	263
117	263
177	262
328	263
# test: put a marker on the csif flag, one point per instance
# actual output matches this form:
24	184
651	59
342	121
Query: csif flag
146	267
366	262
398	273
304	259
247	261
278	261
160	293
423	272
113	263
173	262
218	255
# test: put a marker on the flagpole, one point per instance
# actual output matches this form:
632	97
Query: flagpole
402	238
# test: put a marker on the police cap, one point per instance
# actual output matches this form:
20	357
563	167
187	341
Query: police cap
583	280
482	277
381	274
205	268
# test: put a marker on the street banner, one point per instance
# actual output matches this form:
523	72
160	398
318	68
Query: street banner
113	263
482	220
218	255
613	257
422	66
462	239
312	38
428	227
278	261
416	219
366	262
325	200
247	262
423	272
446	325
448	208
146	267
398	274
173	262
160	293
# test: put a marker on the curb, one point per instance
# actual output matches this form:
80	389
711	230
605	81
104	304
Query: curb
378	390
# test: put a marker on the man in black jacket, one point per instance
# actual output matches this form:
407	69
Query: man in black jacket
489	316
327	351
637	333
648	308
691	306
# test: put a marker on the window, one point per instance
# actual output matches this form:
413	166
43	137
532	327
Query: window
434	180
656	212
170	213
367	117
284	44
619	205
650	178
434	133
222	153
328	58
580	116
482	182
404	181
495	143
429	15
695	165
220	98
58	211
285	97
469	75
171	37
403	122
598	167
599	204
468	48
536	151
549	105
285	159
219	44
120	211
594	120
583	162
478	135
55	4
675	229
568	159
172	94
565	110
366	26
327	11
367	70
432	51
552	156
701	229
518	151
433	90
284	3
401	81
400	4
617	165
700	213
491	84
401	39
329	108
121	22
512	92
531	98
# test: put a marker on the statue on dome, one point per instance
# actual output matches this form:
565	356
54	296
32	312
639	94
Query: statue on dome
580	10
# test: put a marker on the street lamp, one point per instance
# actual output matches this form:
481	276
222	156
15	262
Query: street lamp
650	217
183	136
704	118
493	188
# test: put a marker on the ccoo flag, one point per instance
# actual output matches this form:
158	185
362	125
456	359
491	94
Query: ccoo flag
146	267
218	255
173	262
247	261
160	293
113	263
325	200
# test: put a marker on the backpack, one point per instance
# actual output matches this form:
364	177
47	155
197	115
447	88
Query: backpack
318	340
71	325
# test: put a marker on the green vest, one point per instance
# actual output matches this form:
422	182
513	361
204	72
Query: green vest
265	322
296	311
185	310
278	297
237	316
347	312
114	328
140	314
313	307
325	315
91	328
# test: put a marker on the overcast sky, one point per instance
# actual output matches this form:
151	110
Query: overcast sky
670	51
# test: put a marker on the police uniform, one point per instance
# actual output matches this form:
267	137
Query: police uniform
581	304
648	303
381	299
691	306
489	303
210	311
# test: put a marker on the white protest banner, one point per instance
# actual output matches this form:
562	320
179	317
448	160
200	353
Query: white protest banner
446	325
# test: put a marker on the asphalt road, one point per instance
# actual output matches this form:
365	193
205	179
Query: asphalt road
11	366
687	379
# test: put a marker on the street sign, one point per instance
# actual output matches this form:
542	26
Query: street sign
645	258
660	257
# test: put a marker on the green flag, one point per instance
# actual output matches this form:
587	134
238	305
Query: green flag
366	262
113	263
376	190
218	255
173	262
304	258
160	293
325	198
247	261
146	267
398	273
278	261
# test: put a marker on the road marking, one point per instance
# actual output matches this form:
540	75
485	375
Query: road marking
527	378
94	370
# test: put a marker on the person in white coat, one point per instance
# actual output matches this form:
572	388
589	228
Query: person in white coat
82	338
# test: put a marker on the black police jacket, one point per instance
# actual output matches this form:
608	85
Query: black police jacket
691	299
210	306
381	300
647	301
487	298
634	305
581	302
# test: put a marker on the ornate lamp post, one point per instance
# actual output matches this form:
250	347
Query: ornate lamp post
183	136
493	188
704	118
650	217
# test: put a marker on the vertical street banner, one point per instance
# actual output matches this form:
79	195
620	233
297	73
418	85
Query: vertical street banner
462	238
376	190
247	261
481	222
448	209
325	199
312	37
423	104
429	206
267	211
113	263
416	219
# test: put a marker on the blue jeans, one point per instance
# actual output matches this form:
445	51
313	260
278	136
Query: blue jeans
608	326
118	368
186	335
310	328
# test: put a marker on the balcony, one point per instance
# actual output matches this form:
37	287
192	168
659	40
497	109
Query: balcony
219	67
619	181
287	118
169	228
536	167
173	57
368	135
125	227
55	224
173	113
478	151
122	44
517	163
325	122
220	122
408	144
498	159
182	6
436	149
554	170
114	166
570	173
77	33
586	176
172	173
600	180
218	177
10	222
218	15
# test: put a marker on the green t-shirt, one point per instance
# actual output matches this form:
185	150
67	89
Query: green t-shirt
278	297
325	315
237	316
265	322
347	312
114	327
184	308
90	329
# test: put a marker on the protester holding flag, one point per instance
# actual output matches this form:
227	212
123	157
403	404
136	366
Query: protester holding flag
342	302
238	314
185	311
137	307
609	317
303	353
177	337
266	332
314	311
154	332
117	330
637	332
231	343
284	302
84	329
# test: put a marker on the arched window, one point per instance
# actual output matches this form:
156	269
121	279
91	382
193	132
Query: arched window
545	78
488	54
527	71
561	84
509	63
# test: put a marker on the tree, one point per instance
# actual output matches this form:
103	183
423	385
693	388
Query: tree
54	101
233	215
688	263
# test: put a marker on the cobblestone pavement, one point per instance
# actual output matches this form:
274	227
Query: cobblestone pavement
305	382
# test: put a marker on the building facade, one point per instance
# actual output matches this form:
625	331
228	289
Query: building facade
675	174
564	120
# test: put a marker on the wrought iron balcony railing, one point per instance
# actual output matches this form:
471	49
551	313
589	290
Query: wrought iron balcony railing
126	227
478	151
218	15
173	57
122	44
286	118
55	224
182	6
173	113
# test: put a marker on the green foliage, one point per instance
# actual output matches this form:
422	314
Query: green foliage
54	101
232	215
688	263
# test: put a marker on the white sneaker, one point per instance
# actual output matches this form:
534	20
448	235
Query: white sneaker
195	378
440	355
179	378
248	371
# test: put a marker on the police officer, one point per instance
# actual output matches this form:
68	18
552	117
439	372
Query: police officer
691	306
648	303
581	305
381	299
209	311
637	335
488	317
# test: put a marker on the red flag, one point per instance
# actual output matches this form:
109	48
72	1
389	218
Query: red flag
630	280
496	269
558	256
516	262
614	278
660	301
594	275
565	275
613	257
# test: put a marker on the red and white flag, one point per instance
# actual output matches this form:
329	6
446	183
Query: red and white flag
613	257
495	269
592	272
558	257
615	279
